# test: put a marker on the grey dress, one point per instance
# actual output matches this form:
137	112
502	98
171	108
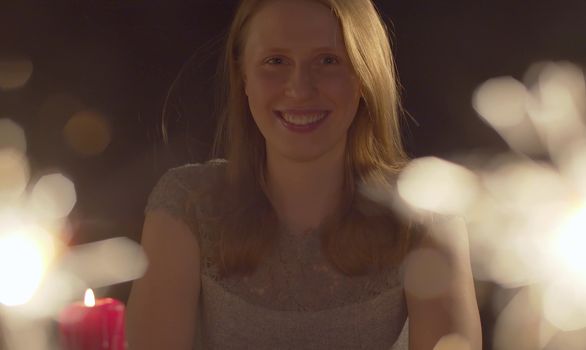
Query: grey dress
295	299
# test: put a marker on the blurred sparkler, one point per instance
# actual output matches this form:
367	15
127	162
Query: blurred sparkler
526	218
39	273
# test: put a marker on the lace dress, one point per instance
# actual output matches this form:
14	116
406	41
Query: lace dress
295	299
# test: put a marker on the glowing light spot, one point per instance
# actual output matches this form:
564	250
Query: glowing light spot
15	72
453	342
569	245
12	135
512	264
107	262
89	299
53	196
558	105
526	187
555	115
427	274
486	229
14	175
56	290
24	256
501	102
87	133
437	185
563	82
564	304
526	227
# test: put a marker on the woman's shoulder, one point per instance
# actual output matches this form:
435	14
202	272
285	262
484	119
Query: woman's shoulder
194	173
177	185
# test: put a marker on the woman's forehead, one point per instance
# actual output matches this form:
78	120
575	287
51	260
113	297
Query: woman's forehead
294	24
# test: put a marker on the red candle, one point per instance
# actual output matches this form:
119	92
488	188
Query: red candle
93	324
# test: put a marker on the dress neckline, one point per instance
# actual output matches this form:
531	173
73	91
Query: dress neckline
302	234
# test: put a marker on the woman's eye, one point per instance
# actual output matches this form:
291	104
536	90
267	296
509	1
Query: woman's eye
274	60
330	60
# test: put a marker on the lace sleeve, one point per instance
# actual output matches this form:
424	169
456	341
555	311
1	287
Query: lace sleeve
180	191
172	192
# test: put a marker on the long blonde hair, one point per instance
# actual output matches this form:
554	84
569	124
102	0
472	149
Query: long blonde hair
365	233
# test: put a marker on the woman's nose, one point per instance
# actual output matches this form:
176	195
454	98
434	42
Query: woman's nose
301	83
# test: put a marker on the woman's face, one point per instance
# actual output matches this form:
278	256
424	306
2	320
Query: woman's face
301	88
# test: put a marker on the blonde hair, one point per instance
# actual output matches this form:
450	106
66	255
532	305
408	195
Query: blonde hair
364	234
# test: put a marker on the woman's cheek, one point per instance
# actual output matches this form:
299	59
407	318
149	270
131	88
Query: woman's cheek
269	80
341	85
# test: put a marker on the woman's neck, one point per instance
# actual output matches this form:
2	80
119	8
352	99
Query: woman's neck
304	193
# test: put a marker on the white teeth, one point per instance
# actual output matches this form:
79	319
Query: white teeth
303	119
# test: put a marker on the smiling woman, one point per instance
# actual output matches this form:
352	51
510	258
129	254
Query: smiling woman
302	91
280	245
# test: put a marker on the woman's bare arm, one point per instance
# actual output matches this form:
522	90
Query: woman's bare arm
162	306
440	290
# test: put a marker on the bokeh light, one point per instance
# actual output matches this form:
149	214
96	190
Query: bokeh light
511	264
501	102
437	185
12	135
14	175
558	106
569	245
87	133
562	85
526	187
15	71
53	197
512	223
106	262
25	253
564	304
57	289
528	226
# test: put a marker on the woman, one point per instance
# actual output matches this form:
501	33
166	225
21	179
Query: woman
278	247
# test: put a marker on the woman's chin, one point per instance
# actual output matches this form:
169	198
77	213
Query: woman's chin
305	153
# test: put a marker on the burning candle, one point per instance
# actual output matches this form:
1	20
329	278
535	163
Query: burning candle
93	324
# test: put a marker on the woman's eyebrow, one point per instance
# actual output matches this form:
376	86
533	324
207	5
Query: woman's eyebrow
288	50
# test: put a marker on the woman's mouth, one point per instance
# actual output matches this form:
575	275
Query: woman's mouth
302	121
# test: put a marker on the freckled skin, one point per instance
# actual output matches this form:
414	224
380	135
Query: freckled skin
294	58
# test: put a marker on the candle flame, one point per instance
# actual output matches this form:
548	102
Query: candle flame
89	299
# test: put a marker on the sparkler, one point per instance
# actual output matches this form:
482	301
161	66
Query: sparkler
39	273
526	219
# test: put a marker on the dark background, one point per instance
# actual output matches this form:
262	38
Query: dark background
122	58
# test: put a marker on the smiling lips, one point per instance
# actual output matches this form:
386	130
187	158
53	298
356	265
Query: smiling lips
302	121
